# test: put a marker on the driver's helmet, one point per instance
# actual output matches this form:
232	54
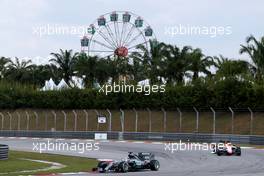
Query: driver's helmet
131	155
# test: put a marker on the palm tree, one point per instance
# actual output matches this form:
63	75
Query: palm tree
41	73
86	66
66	61
153	60
228	68
105	70
122	66
136	70
3	63
255	50
198	63
19	71
176	63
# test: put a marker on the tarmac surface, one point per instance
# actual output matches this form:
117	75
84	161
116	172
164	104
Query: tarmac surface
178	163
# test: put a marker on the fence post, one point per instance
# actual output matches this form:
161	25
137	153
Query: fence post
150	119
97	114
251	120
110	120
180	113
122	120
136	119
18	121
37	119
2	116
197	119
75	120
232	121
164	120
214	119
65	121
10	121
55	120
86	119
27	120
46	121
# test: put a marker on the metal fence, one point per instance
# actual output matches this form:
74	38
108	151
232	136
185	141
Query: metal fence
194	120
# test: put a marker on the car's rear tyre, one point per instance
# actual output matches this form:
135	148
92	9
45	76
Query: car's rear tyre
154	165
123	167
219	153
238	151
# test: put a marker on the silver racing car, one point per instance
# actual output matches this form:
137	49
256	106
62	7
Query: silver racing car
133	162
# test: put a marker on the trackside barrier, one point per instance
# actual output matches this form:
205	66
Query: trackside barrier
4	152
146	136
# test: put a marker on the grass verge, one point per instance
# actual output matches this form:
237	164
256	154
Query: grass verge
15	163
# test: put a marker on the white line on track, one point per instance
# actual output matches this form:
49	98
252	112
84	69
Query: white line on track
159	143
74	139
60	139
22	138
247	147
138	142
11	138
121	141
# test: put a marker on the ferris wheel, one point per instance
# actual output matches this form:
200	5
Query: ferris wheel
117	34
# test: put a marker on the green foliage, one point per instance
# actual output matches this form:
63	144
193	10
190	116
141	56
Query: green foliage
236	83
201	93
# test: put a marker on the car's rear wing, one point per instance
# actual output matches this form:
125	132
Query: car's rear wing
146	155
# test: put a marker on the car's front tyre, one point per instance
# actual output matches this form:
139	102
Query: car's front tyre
101	167
123	167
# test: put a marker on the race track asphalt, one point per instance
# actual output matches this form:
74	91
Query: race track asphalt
179	163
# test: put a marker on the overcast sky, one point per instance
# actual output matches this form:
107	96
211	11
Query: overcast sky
20	18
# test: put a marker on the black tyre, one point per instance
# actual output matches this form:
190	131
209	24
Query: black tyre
154	165
123	167
101	167
238	151
219	153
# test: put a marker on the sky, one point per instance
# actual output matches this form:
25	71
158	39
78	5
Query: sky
170	19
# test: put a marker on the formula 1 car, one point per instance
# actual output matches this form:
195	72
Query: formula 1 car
227	148
134	162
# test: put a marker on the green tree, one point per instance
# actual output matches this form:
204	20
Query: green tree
198	63
255	50
232	68
152	60
86	67
176	62
40	73
3	65
19	70
66	61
